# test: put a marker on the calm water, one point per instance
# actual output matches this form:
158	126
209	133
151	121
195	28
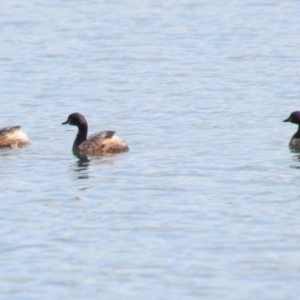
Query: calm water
206	205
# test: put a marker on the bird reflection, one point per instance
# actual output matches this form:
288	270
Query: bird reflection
296	158
83	163
82	166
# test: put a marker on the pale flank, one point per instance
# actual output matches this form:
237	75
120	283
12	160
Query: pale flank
13	137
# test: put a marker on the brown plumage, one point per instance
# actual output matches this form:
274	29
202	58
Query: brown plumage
13	137
101	143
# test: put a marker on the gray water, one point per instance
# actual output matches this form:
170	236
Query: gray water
206	205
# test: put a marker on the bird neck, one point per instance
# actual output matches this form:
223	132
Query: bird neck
81	135
297	134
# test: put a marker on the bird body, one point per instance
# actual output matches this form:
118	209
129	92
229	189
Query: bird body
13	137
101	143
295	140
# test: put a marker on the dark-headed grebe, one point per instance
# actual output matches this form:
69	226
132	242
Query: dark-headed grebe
295	140
13	137
101	143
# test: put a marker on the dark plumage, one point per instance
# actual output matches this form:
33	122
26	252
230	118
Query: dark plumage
295	140
101	143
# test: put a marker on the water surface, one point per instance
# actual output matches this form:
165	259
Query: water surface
205	204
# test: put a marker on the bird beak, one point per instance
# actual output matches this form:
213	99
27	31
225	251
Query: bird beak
287	120
64	123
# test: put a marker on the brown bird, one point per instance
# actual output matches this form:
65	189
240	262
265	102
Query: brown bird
13	137
101	143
